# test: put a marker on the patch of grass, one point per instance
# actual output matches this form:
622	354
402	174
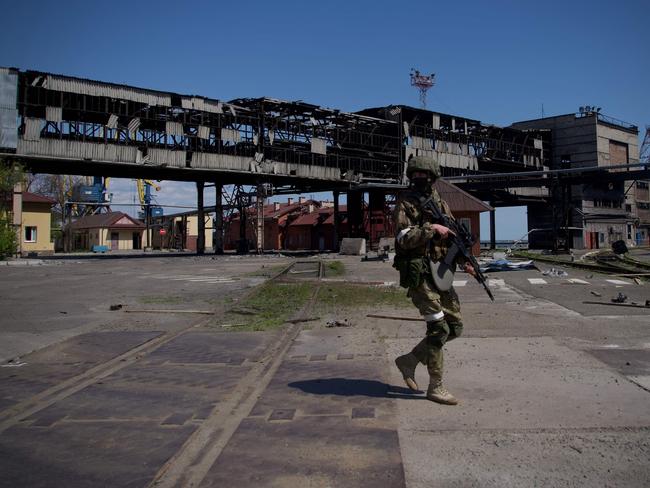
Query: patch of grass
273	304
335	296
334	268
161	299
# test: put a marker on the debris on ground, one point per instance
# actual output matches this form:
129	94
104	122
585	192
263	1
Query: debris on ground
117	306
620	298
596	294
338	323
506	265
13	363
304	319
633	304
558	273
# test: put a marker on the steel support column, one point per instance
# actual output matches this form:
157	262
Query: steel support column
218	219
355	213
337	220
493	228
200	239
259	204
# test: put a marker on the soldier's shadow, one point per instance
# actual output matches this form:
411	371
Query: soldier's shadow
355	387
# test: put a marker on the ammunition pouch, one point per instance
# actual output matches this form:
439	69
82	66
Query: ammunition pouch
411	270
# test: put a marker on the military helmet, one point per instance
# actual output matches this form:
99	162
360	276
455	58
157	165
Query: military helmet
423	163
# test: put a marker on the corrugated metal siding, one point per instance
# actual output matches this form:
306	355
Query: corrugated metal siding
8	112
53	114
133	127
435	121
203	132
220	161
33	128
230	135
166	156
95	88
112	121
246	164
174	129
203	104
421	143
318	145
78	150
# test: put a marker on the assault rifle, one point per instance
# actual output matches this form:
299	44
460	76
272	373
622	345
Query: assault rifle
461	244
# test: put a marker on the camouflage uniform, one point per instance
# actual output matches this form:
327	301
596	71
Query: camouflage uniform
416	241
440	309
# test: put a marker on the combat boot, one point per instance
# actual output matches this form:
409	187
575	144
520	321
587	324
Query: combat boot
406	365
437	393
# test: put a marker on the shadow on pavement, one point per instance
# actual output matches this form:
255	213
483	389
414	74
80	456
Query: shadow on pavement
354	387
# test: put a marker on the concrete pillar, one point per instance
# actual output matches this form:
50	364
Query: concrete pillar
18	216
376	210
200	240
336	221
260	220
493	229
355	213
218	219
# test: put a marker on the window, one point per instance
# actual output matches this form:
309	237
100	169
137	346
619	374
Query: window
30	234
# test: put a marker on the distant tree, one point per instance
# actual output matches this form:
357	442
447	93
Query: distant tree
9	175
61	188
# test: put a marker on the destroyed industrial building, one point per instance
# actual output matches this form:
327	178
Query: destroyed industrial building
573	172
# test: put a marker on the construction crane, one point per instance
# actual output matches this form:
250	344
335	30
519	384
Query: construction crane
144	195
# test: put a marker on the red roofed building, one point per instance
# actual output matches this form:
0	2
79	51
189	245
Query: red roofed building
315	230
276	217
465	208
115	230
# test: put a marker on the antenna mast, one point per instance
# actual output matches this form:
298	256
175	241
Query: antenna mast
423	83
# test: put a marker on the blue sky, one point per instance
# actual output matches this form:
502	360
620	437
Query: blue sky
497	61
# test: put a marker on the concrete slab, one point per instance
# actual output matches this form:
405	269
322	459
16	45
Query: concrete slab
314	452
512	383
138	393
54	364
515	459
213	347
87	454
533	413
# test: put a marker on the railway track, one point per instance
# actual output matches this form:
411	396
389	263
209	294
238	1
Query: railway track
16	413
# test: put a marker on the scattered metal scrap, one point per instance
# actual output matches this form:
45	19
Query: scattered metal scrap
558	273
203	312
620	298
633	304
339	323
505	265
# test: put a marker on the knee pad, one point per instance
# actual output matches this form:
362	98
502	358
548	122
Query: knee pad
437	333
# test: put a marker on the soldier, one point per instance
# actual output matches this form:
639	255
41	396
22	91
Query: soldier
419	237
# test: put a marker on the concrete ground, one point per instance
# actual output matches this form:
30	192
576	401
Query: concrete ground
554	391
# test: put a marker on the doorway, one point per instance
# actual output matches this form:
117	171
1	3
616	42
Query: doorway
115	241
